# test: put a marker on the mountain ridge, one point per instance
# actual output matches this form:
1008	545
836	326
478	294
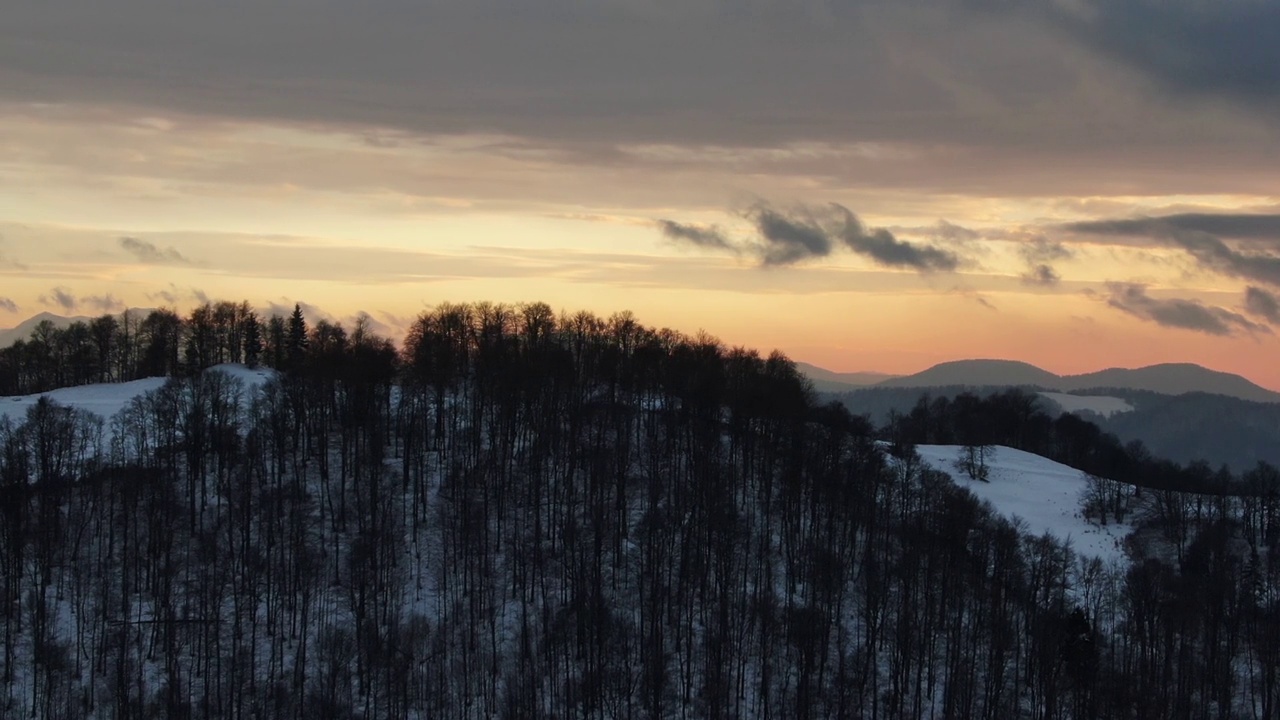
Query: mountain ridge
1163	378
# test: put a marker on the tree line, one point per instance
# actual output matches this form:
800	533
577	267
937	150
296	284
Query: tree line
525	514
1017	418
160	343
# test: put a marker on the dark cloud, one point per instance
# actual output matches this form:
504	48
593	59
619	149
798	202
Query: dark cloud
700	236
1182	231
1217	255
881	246
8	304
1244	226
636	71
1132	298
789	238
1262	304
60	297
1042	275
150	253
1198	46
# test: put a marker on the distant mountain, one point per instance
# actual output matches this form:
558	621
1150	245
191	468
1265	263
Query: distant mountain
1172	379
829	381
1168	379
22	330
978	373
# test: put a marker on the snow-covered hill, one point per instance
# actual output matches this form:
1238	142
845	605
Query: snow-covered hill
1045	494
1104	405
107	399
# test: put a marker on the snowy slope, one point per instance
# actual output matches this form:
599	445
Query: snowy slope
1104	405
107	399
1045	494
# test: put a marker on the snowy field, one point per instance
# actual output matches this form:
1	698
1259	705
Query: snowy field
1104	405
107	399
1045	494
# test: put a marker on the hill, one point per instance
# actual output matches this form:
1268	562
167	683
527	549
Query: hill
1172	379
1166	378
22	330
977	373
829	381
1043	493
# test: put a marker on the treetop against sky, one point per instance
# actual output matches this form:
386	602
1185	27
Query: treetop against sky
866	185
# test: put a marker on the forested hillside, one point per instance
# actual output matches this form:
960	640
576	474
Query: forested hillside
520	514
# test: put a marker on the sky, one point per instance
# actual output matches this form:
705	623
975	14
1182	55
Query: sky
865	185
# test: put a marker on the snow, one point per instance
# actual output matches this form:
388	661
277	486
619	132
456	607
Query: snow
251	377
1104	405
107	399
1043	493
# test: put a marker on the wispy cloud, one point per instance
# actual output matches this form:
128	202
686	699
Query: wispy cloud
1132	298
105	303
1256	226
881	246
697	235
1262	304
8	304
151	254
60	297
1043	275
802	233
1187	232
1040	253
788	239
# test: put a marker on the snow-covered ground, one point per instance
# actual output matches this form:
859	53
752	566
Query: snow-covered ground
1104	405
107	399
1045	494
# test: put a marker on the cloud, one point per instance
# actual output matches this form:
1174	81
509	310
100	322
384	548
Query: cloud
60	297
1216	255
786	240
881	246
1042	275
1249	226
8	304
284	308
1229	49
952	233
1039	253
149	253
105	303
699	236
1132	298
735	76
1182	231
1263	304
804	233
173	295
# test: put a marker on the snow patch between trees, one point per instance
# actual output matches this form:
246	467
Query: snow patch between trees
1045	494
1104	405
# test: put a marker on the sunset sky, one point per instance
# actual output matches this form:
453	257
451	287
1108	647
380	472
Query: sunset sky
868	185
